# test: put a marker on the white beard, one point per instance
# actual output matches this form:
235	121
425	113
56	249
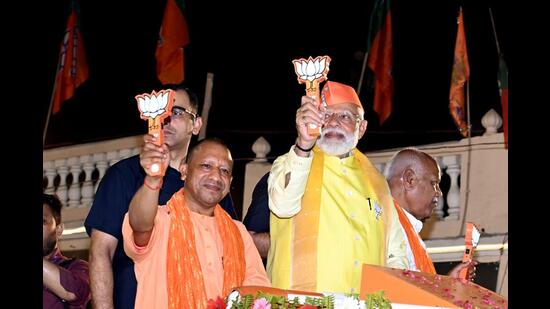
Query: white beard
337	147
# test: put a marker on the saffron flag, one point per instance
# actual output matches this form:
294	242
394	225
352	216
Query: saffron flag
72	68
503	90
173	36
380	58
461	73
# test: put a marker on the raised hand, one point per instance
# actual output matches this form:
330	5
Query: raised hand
152	154
307	113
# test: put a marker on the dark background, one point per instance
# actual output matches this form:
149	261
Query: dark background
249	47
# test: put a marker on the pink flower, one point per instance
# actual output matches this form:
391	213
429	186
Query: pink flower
488	301
261	303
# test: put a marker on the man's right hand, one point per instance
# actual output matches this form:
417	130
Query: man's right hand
152	153
471	265
307	113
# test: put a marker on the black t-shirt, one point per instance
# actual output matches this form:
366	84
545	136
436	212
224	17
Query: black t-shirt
257	216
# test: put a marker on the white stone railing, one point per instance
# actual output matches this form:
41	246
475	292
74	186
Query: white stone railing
73	174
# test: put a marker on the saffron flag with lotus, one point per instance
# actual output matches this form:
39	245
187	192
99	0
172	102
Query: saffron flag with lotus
173	36
380	58
72	68
461	74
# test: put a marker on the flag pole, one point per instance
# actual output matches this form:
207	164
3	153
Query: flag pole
207	103
49	109
469	124
469	154
46	126
362	73
468	159
494	30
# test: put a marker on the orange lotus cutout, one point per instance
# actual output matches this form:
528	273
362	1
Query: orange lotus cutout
155	107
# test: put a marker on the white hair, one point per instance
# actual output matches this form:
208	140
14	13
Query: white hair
338	148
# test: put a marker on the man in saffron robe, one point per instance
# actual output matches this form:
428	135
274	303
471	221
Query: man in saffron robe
413	177
190	251
331	210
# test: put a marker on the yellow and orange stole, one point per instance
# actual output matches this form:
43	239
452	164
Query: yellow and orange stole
421	258
305	225
185	280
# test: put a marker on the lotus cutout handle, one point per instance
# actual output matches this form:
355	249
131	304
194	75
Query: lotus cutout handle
471	239
312	72
154	108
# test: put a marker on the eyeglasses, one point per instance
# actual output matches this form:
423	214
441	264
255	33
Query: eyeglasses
343	117
178	112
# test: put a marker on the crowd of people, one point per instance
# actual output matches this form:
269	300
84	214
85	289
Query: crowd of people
174	240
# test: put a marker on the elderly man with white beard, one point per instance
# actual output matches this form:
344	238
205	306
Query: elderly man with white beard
331	210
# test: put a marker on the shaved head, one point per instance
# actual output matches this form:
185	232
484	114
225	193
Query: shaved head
209	140
406	158
413	177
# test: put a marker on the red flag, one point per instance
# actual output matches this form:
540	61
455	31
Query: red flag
380	58
503	89
72	69
461	73
173	37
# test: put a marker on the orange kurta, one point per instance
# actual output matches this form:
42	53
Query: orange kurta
150	261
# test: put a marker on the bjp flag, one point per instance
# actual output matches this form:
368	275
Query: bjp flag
72	69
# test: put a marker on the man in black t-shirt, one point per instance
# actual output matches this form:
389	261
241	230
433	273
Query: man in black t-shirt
257	217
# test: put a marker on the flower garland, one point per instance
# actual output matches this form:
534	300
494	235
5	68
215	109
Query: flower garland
268	301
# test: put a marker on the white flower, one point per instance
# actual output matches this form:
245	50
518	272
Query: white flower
154	104
352	303
311	69
235	296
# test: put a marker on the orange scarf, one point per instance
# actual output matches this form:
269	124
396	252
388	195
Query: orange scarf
421	258
185	280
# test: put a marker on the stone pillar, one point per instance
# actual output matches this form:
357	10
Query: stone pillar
87	185
453	196
62	171
74	190
255	170
49	172
438	211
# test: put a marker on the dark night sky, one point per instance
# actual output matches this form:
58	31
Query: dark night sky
249	47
